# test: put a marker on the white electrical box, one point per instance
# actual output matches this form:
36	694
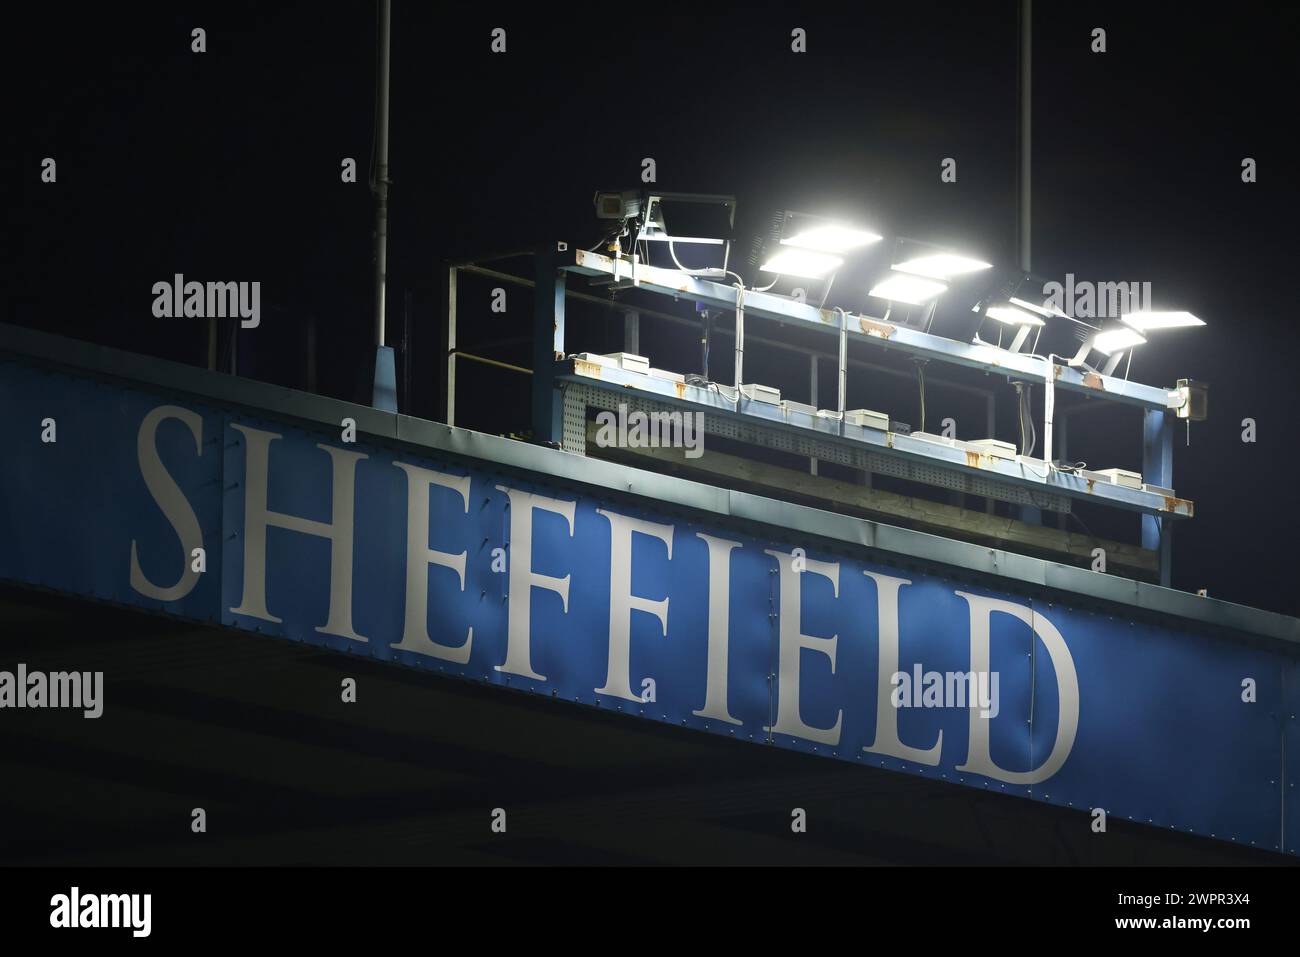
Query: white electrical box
630	363
789	406
760	393
994	447
595	359
665	374
867	419
1122	477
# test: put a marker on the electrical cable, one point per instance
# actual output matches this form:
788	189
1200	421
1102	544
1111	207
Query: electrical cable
603	240
827	294
1029	417
672	250
1020	415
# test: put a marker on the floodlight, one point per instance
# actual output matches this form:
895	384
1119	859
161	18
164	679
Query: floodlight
902	287
808	232
1043	310
1013	316
789	261
1147	319
941	265
1116	340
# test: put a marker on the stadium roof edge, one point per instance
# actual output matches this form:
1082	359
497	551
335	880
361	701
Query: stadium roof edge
422	434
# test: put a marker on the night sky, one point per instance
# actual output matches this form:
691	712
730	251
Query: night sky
225	166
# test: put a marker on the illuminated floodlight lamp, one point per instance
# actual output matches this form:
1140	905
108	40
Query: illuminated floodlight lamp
1010	315
1144	320
1112	343
1022	320
824	235
941	265
808	263
911	289
1043	309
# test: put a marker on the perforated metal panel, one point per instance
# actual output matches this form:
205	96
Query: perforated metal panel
573	437
578	397
927	474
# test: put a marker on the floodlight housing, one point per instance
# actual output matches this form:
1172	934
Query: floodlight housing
1144	320
911	289
808	263
941	265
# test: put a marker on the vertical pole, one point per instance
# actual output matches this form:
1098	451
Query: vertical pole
381	173
212	343
991	430
449	349
1049	409
1063	435
740	342
632	333
844	365
812	400
384	383
1026	99
1158	469
1032	515
548	347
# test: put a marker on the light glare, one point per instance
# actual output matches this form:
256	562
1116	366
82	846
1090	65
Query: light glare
1043	310
914	290
942	265
1116	340
1011	316
801	262
1146	319
830	238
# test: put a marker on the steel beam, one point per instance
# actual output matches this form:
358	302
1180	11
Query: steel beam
1158	469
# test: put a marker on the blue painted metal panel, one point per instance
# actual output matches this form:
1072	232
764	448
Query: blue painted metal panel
1163	733
71	508
1195	755
1289	772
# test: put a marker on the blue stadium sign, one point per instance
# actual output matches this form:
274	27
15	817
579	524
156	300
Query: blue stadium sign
198	508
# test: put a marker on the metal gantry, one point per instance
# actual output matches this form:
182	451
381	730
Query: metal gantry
952	464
